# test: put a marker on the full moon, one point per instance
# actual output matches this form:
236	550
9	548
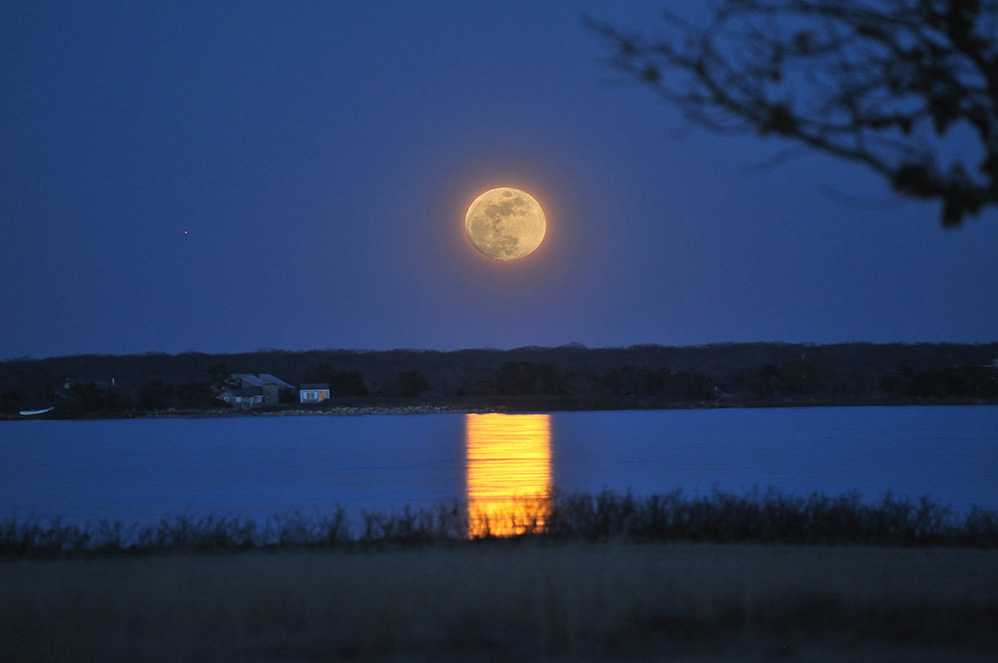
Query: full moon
505	224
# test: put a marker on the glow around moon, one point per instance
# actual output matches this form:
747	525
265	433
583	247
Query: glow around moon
505	224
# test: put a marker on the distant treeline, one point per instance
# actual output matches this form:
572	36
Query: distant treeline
565	377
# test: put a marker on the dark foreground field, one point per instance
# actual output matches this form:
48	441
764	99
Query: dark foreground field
586	578
507	601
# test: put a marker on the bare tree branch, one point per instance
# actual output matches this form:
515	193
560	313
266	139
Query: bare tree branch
885	83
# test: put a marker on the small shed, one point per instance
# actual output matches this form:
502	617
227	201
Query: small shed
313	393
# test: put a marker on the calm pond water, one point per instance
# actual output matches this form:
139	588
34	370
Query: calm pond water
142	470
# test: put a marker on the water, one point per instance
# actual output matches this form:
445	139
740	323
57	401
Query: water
142	470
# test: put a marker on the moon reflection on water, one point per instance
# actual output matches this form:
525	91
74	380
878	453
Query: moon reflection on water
508	473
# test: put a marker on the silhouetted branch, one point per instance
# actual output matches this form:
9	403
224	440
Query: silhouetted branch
885	84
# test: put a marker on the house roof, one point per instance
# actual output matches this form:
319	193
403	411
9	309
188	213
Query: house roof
246	391
267	378
315	385
260	380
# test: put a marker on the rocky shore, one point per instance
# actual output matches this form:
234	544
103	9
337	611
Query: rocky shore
377	409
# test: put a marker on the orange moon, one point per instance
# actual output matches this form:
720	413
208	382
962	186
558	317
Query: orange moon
505	224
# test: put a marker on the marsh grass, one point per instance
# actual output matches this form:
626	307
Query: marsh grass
771	517
756	517
528	600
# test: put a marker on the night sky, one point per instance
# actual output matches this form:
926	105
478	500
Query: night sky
226	177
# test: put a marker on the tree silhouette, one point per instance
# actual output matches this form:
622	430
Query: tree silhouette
412	383
891	84
341	382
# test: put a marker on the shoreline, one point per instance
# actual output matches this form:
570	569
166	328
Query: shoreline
498	406
758	517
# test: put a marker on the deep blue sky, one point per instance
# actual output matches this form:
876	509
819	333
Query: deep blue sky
235	176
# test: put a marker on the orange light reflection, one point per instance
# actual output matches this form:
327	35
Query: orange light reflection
509	473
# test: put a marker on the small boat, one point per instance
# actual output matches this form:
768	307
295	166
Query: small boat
29	413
